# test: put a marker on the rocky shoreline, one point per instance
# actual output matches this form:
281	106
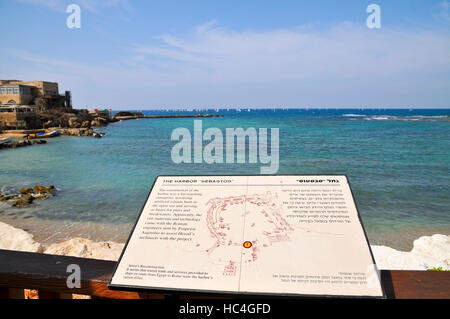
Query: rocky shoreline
27	195
79	123
22	143
12	238
73	119
429	252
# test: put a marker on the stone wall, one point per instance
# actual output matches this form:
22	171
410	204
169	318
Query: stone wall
22	99
13	120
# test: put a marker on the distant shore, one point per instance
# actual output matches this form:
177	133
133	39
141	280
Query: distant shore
89	131
135	117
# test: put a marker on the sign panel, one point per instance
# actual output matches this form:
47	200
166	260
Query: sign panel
282	234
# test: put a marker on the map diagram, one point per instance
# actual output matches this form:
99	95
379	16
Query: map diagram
247	222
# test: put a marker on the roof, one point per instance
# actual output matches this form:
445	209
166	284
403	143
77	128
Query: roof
15	85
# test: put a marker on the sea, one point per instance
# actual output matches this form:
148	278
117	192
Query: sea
397	162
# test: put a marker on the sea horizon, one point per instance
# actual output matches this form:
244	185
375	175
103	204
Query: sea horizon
186	108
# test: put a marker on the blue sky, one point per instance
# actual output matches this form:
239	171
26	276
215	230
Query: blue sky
148	54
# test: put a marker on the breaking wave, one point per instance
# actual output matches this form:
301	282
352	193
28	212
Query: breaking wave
440	118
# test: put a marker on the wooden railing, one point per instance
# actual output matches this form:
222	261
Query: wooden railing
47	274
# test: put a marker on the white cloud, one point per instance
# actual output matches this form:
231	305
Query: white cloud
445	10
345	51
347	65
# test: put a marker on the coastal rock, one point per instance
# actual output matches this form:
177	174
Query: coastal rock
41	192
389	258
38	189
12	238
49	120
71	119
83	131
436	246
125	114
23	201
73	122
99	121
80	247
4	198
26	190
27	195
50	123
39	142
21	143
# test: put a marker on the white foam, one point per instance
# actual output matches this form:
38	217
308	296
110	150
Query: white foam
353	115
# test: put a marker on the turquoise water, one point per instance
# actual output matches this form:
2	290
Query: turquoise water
397	162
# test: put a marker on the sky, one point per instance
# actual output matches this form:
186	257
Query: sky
226	53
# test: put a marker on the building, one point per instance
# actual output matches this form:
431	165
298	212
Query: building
44	95
16	117
16	94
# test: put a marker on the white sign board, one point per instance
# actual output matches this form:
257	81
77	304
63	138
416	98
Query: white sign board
283	234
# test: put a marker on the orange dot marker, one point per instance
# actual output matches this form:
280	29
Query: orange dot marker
247	244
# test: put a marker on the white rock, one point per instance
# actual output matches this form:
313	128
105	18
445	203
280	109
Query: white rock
80	247
12	238
389	258
436	246
428	252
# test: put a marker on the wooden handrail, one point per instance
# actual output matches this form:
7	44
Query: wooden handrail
47	274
